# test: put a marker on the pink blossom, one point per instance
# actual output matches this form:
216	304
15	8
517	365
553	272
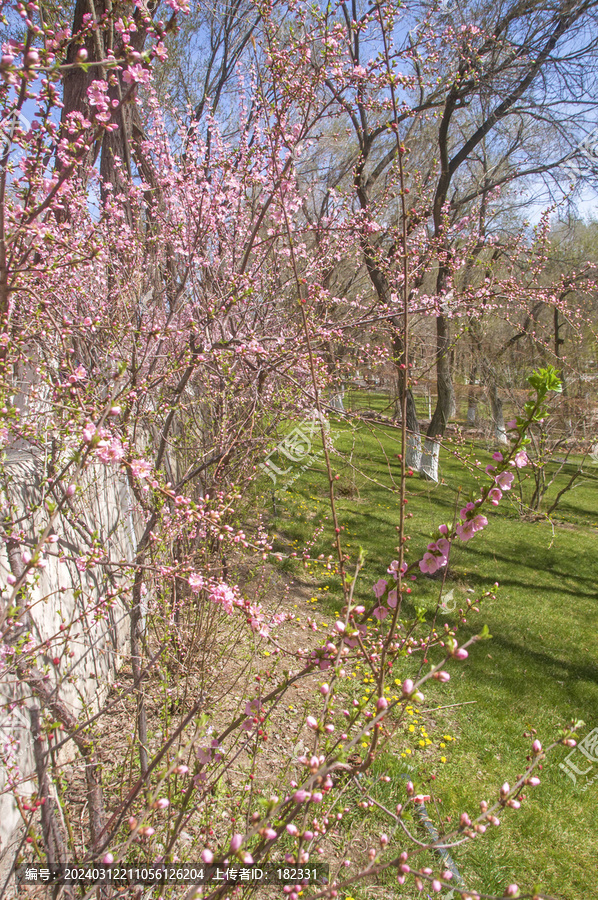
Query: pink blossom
392	599
380	613
495	496
393	568
443	529
222	594
466	531
136	75
140	468
429	563
443	546
380	587
196	582
78	375
498	456
207	856
520	460
110	451
88	432
505	480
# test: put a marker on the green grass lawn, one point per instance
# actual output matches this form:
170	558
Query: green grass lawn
540	670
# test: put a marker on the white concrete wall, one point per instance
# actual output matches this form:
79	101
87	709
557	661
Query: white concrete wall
61	593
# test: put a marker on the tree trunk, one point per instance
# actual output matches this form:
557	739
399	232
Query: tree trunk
444	402
472	400
429	459
413	449
498	419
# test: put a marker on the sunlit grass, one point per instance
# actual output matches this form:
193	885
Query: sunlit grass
539	671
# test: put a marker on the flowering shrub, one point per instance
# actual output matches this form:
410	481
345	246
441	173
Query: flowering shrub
159	320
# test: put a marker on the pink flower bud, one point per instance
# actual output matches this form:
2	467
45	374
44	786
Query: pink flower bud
460	653
505	790
207	857
512	891
536	747
569	742
308	835
408	687
70	491
236	842
81	55
324	689
300	796
383	840
442	676
107	859
162	803
464	820
311	722
292	829
534	781
436	885
410	788
382	704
